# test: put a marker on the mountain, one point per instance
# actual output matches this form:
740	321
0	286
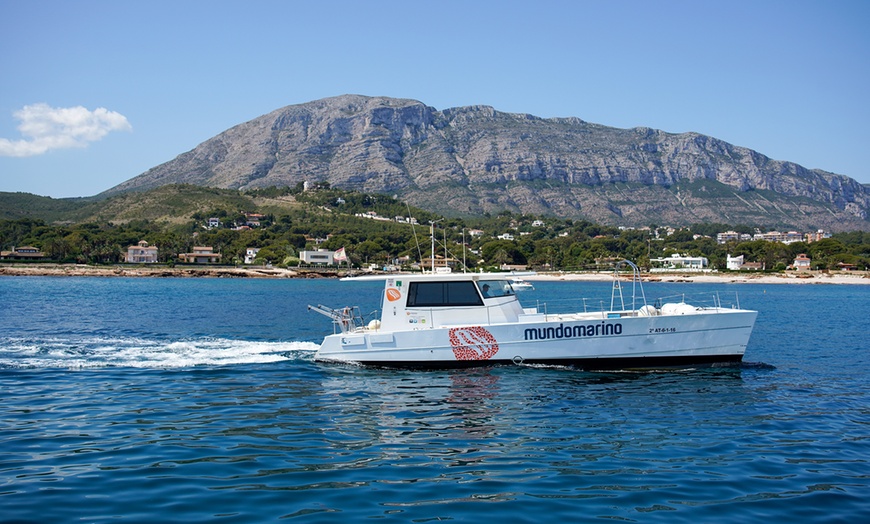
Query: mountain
472	160
169	204
14	206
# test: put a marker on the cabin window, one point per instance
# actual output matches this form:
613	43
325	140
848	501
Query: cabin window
495	288
440	294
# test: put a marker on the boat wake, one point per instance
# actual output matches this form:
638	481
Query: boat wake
144	353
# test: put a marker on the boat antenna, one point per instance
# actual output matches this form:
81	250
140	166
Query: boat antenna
432	234
445	247
464	266
416	241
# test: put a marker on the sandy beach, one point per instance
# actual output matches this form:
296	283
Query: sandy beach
791	277
815	277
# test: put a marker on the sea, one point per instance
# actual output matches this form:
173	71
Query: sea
190	400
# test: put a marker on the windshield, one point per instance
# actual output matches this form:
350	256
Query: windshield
494	288
442	294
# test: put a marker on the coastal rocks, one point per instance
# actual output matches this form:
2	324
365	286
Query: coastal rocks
155	272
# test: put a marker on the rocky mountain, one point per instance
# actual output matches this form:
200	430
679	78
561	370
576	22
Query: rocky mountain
472	160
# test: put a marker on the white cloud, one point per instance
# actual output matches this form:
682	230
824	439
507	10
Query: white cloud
45	128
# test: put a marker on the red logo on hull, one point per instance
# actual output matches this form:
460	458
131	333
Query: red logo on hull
472	343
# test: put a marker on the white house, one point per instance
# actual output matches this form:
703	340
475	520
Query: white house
321	256
251	254
680	262
141	253
733	263
802	262
200	255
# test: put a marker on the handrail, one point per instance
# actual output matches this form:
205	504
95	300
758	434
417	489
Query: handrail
636	285
347	319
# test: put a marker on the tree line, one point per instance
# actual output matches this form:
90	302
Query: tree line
330	215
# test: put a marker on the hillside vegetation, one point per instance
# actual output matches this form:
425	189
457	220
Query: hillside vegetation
174	218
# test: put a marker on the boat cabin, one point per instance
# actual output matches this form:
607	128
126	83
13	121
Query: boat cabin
425	301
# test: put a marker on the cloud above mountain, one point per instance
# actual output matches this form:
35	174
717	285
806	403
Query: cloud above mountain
45	128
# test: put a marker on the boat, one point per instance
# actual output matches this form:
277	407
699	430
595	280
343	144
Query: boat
454	320
518	284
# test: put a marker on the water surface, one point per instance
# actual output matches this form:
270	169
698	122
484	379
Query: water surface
188	400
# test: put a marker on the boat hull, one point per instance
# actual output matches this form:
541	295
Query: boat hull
592	364
621	343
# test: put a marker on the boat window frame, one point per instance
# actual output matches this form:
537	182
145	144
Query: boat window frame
497	288
448	293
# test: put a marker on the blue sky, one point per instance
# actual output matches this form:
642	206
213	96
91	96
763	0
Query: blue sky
94	93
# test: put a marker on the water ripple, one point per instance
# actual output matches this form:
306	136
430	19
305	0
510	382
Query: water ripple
180	427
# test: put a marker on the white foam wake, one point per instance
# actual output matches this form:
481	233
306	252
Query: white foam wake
143	353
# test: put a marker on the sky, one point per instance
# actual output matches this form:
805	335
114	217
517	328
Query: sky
96	92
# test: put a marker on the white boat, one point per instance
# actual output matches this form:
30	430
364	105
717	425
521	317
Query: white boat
518	284
474	319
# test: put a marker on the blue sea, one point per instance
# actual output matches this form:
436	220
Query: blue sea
183	400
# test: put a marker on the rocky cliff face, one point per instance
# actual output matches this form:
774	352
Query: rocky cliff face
470	160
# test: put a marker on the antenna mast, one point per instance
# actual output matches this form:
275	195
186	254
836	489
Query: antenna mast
432	234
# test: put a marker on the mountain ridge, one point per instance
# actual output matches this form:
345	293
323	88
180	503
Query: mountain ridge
475	159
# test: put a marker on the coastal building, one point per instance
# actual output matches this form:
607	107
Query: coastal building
251	254
843	266
729	236
22	253
733	263
793	236
802	262
321	256
438	262
254	219
772	236
815	237
739	264
680	262
141	253
200	255
776	236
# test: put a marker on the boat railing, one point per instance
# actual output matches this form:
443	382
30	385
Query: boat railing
638	298
346	319
627	297
704	300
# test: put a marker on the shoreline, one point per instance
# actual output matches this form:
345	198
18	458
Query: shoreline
61	270
81	270
815	277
